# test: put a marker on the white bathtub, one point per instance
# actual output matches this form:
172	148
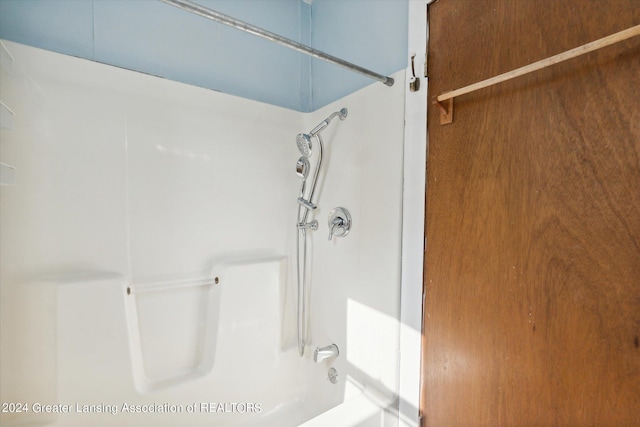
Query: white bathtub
189	353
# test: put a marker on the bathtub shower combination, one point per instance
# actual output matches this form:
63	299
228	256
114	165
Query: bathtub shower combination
151	274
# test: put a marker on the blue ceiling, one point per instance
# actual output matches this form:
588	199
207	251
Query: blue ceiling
155	38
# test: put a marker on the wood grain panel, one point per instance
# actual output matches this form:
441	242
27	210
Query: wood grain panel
532	269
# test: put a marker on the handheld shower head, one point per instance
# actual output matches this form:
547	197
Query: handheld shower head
302	168
303	141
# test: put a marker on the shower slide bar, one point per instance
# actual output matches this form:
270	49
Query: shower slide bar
446	109
249	28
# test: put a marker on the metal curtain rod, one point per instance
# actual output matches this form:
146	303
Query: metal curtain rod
249	28
447	110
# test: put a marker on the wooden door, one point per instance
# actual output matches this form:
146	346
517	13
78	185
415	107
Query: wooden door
532	265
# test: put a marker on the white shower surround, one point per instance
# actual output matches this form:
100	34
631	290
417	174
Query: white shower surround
126	180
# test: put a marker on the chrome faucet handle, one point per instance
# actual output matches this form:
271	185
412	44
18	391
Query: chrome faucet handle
336	223
339	222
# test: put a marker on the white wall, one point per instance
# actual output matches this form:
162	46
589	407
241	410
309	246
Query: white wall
129	180
359	275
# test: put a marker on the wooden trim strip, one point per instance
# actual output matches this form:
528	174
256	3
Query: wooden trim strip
581	50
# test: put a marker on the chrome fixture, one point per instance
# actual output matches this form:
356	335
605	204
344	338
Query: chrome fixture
327	352
313	225
342	114
276	38
303	141
302	169
304	144
339	222
332	375
306	205
414	82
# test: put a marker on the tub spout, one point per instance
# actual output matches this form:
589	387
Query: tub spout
322	353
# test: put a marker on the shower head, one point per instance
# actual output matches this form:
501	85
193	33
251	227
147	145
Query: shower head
303	141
